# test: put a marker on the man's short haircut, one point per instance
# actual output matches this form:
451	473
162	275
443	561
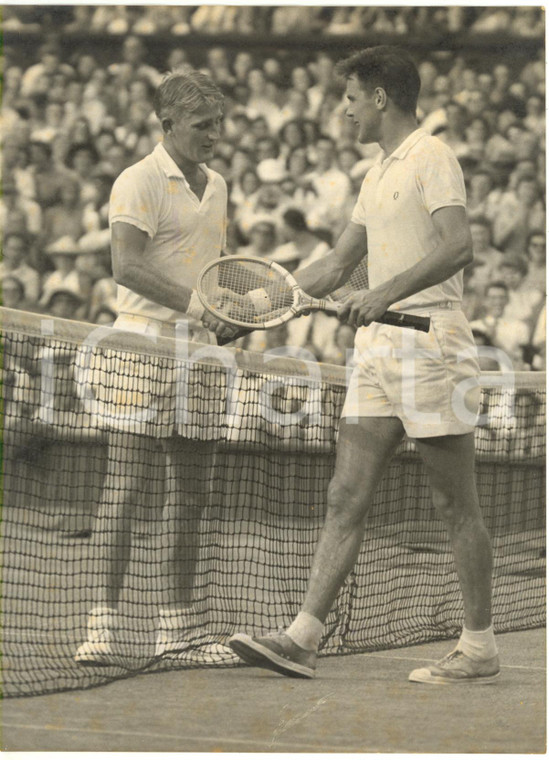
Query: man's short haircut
184	92
389	67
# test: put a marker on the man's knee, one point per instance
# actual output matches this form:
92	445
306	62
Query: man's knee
346	503
455	508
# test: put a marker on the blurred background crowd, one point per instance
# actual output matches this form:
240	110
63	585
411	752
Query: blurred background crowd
77	110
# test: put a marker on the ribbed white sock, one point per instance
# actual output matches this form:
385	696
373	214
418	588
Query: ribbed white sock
179	617
306	631
479	645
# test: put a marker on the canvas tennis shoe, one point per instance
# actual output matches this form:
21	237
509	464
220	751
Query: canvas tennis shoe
100	646
275	651
174	644
181	639
457	667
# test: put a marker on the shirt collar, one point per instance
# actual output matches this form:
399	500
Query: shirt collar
405	147
170	168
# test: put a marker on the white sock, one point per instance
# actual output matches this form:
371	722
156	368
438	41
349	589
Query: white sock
179	617
105	617
479	645
306	631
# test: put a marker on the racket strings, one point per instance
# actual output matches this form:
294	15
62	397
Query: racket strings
247	291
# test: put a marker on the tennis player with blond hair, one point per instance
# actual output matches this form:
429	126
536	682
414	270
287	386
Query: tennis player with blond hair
410	220
168	219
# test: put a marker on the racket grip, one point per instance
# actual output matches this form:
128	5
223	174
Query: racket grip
239	334
400	319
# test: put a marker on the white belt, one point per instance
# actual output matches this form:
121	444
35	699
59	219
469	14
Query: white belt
431	308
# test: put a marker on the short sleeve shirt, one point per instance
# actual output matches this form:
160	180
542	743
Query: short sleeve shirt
397	198
184	233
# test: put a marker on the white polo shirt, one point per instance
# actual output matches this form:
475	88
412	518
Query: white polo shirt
185	233
395	203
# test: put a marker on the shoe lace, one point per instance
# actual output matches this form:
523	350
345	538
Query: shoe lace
455	655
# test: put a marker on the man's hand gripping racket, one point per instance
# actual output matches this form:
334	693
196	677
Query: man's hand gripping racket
257	294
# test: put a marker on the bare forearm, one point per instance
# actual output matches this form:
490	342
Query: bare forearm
333	270
432	270
154	285
324	276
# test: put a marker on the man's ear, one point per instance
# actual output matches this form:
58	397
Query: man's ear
167	125
381	97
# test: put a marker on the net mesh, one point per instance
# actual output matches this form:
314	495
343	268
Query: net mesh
221	459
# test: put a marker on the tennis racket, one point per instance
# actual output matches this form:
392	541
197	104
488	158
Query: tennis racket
260	294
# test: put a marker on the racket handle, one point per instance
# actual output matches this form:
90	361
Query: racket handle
241	332
400	319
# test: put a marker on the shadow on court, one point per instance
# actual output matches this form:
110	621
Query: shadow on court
358	703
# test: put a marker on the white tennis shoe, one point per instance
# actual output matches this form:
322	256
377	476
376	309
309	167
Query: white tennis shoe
457	667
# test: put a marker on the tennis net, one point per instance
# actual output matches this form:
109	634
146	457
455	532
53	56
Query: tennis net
256	439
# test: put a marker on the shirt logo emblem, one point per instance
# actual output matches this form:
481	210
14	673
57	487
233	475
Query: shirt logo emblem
395	195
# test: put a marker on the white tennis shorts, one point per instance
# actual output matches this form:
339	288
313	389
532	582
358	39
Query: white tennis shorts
135	393
430	381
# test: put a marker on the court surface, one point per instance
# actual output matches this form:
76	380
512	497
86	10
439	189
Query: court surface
358	703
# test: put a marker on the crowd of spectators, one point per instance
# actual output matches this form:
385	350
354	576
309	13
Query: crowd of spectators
72	121
524	22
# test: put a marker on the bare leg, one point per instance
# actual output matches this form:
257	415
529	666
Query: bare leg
127	481
187	482
364	451
450	465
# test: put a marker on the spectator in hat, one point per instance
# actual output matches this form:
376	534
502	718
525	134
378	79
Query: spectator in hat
63	254
64	302
262	239
270	200
15	264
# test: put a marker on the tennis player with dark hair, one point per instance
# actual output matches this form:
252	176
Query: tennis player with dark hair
410	219
168	219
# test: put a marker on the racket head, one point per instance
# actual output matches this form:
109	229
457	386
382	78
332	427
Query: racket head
224	285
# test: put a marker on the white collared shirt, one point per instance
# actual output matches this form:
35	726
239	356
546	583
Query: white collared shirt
185	233
395	203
